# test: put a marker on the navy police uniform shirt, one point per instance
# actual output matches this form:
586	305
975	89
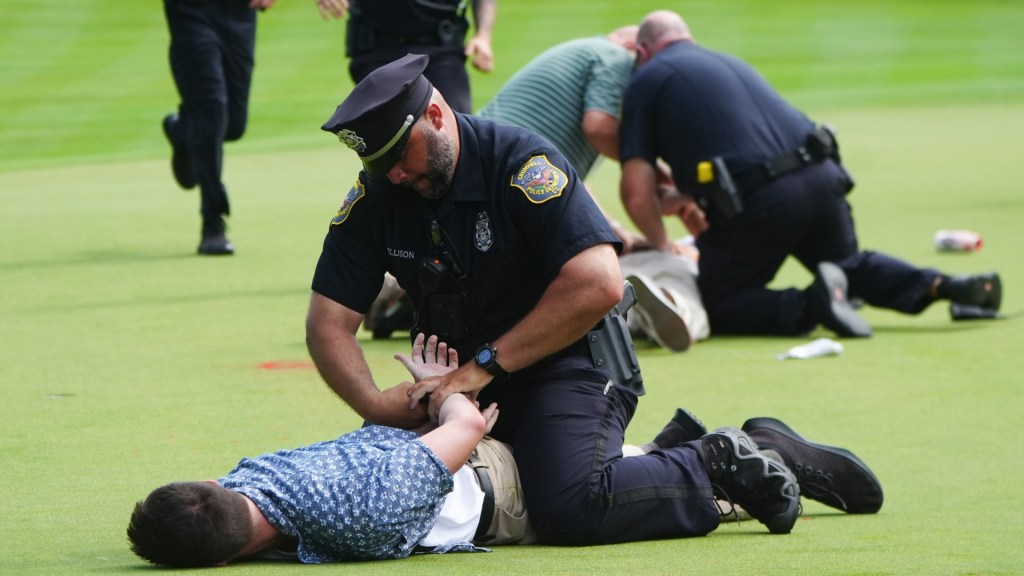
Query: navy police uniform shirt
515	213
689	104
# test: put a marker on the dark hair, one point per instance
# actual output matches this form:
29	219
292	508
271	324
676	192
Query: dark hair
190	524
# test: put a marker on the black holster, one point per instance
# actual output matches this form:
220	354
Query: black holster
611	346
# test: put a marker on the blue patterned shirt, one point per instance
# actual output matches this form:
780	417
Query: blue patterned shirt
370	494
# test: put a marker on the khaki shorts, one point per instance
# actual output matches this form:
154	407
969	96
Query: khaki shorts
510	523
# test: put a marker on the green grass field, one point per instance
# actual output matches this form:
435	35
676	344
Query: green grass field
127	362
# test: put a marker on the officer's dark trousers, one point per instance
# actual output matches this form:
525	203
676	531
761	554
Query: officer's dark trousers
566	427
211	54
804	214
446	71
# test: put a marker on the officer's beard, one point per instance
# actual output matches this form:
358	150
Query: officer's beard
440	165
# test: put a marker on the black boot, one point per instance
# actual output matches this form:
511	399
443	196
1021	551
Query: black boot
831	475
981	290
181	163
215	242
682	428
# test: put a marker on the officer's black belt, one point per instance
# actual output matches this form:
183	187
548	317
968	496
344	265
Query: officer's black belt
766	172
487	510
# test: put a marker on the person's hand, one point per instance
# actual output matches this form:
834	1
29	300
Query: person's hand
693	218
631	241
261	4
490	415
478	50
429	358
332	8
468	379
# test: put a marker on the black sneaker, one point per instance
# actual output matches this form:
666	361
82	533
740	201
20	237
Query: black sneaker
216	245
682	428
181	164
830	475
981	290
739	473
829	305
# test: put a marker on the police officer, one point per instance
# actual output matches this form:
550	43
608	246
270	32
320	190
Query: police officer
771	185
211	53
381	31
508	259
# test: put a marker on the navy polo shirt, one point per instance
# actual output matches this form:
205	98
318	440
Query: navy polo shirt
516	212
688	104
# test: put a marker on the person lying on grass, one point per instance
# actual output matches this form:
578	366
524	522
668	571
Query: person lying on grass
376	493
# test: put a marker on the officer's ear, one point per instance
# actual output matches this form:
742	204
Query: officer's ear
434	114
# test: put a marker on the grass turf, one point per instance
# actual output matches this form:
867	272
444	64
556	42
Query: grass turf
128	362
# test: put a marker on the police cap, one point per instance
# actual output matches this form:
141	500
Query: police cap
374	120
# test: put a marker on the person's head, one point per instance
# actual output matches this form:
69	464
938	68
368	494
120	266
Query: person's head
657	30
625	37
190	524
401	127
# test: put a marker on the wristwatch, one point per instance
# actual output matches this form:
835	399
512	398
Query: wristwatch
487	358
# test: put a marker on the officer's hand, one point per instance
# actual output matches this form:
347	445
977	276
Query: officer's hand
332	8
429	358
261	4
468	379
478	50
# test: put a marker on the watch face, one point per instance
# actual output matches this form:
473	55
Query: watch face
484	356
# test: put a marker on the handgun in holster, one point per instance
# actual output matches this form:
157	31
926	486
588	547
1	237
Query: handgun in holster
611	346
714	176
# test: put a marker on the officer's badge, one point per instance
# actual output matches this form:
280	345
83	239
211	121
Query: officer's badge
357	191
352	140
540	180
483	236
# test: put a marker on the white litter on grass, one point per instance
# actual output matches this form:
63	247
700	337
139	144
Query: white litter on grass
814	349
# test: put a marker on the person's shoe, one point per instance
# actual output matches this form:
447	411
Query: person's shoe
398	315
739	473
215	244
666	327
830	475
829	304
682	428
181	164
959	312
981	290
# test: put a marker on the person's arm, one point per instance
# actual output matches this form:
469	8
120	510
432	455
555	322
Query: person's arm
261	4
601	129
461	426
586	288
478	49
639	191
330	337
332	8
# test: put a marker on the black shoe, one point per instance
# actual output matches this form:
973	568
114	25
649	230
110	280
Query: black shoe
959	312
981	290
216	244
830	475
682	428
766	489
397	316
828	303
181	164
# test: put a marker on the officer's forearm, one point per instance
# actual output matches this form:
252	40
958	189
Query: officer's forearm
638	190
330	338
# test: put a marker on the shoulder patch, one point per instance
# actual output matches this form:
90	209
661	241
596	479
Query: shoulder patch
357	191
540	180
